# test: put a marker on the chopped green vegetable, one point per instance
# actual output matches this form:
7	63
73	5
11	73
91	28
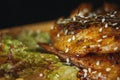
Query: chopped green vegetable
30	38
18	61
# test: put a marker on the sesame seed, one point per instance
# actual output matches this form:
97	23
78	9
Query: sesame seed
57	75
100	30
52	27
69	40
100	40
103	20
58	35
85	72
115	12
112	15
85	21
67	49
108	69
99	74
41	74
66	31
114	24
72	33
106	25
118	78
84	47
89	70
67	61
74	19
117	28
104	36
81	14
98	63
116	48
98	45
94	72
77	55
73	37
92	46
57	57
85	75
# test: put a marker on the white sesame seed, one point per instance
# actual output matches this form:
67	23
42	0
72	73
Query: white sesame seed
52	27
85	70
108	69
106	25
57	57
100	30
69	40
57	75
94	72
85	75
74	19
89	70
118	78
72	32
117	28
98	63
67	61
114	24
73	37
116	48
112	15
41	74
85	21
67	49
104	36
92	46
84	47
99	40
66	31
103	20
115	12
99	74
81	14
58	35
99	45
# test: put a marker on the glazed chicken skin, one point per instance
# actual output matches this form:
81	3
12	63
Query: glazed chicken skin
92	66
78	38
90	42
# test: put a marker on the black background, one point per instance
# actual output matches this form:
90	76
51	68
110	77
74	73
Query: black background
20	12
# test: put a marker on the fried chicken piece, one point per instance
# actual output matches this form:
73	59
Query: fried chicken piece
82	10
97	34
90	42
95	67
85	9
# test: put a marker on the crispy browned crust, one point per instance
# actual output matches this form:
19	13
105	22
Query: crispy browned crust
89	40
102	67
81	35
